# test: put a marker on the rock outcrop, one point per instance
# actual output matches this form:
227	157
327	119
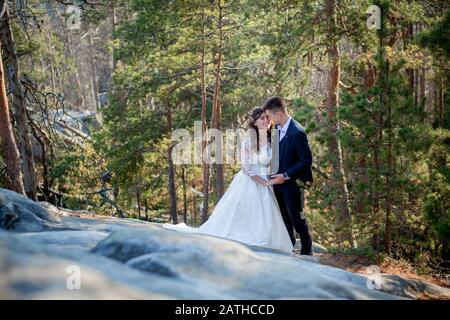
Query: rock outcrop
43	250
20	214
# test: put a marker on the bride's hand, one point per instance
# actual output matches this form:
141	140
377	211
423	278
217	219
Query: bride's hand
268	183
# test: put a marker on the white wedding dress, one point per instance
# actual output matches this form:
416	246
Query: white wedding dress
248	212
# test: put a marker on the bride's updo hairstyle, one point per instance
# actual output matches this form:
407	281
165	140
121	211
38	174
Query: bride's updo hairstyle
254	116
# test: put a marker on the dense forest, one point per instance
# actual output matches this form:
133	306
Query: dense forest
92	92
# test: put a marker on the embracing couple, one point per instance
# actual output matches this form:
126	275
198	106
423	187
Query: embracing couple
260	208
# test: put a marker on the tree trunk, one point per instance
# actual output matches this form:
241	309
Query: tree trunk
441	103
171	171
42	138
430	102
146	209
52	68
138	199
195	210
408	39
205	163
79	92
217	112
422	93
416	87
385	103
362	196
93	70
388	241
342	203
18	102
376	195
113	29
11	152
183	179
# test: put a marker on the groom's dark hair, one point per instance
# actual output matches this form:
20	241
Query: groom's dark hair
275	104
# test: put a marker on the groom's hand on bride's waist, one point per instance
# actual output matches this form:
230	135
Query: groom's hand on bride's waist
277	178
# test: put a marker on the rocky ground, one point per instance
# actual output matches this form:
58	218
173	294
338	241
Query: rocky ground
51	253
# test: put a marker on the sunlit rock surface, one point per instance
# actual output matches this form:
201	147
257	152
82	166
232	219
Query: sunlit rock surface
129	259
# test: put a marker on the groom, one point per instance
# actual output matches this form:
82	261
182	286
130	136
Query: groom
294	164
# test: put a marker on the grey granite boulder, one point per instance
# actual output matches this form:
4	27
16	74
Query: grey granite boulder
38	275
18	213
231	267
132	259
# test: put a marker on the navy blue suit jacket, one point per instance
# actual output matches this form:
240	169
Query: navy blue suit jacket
295	156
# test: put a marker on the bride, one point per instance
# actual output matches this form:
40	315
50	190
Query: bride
248	212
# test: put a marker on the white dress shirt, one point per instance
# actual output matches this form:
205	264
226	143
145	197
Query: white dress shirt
283	130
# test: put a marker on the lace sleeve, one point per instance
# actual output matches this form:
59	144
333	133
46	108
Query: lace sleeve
246	158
